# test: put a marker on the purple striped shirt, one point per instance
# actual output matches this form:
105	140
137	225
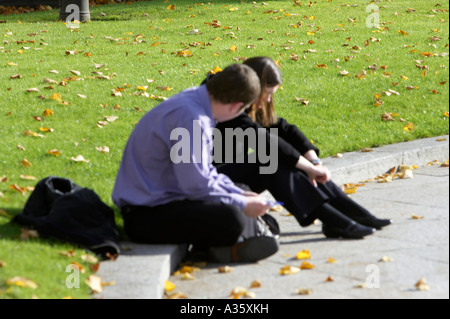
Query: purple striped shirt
168	158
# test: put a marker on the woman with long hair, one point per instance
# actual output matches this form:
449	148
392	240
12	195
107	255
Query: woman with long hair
300	181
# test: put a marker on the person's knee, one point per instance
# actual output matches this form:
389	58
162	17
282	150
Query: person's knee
231	223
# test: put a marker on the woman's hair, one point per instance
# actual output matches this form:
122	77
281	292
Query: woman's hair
236	83
269	75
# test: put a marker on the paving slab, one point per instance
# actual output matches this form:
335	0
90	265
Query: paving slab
140	271
416	248
419	247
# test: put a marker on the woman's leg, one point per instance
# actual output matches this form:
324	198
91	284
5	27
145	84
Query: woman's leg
290	186
337	224
347	206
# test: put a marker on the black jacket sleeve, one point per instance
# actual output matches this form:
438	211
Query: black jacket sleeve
292	135
287	154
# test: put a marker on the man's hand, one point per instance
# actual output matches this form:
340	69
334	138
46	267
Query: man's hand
256	206
249	193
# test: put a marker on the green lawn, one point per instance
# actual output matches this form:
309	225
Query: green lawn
145	52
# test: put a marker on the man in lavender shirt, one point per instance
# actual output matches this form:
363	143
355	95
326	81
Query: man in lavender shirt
166	187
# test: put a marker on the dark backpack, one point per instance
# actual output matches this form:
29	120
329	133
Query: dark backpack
60	209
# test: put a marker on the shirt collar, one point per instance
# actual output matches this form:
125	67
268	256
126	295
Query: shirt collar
205	101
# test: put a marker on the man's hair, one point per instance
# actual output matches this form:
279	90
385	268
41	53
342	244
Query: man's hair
236	83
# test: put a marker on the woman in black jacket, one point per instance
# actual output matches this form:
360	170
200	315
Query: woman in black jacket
300	181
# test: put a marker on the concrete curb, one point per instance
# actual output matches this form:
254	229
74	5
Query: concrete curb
358	166
141	270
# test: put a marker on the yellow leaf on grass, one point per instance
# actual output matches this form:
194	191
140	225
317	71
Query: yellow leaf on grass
427	54
103	149
184	53
18	188
78	266
79	158
28	177
361	75
303	254
215	70
46	129
56	97
25	163
21	282
408	127
31	133
171	7
233	48
110	118
54	152
164	88
47	112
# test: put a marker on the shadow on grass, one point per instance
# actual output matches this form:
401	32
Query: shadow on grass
9	229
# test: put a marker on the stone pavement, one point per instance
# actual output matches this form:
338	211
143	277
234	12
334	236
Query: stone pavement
387	264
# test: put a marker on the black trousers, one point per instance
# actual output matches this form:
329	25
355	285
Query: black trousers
203	224
293	187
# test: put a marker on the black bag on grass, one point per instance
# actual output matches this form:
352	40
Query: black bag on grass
60	209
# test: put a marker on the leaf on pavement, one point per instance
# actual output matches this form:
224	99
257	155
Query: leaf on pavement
422	285
239	292
289	270
306	265
303	254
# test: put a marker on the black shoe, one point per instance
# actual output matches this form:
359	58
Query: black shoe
250	250
374	222
353	231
